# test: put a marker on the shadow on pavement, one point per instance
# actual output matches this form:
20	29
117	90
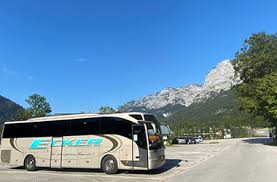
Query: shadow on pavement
169	164
264	141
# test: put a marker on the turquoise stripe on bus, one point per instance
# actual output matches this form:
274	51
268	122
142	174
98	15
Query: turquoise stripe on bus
41	143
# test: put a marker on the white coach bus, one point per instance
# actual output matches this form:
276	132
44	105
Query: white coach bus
129	141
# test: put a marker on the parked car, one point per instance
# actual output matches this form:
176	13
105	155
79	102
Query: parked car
179	140
191	140
184	140
198	139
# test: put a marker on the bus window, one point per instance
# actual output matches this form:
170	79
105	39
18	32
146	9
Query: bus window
113	125
157	141
150	129
38	129
85	126
136	116
152	118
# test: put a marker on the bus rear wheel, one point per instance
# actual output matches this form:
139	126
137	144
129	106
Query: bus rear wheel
109	165
30	163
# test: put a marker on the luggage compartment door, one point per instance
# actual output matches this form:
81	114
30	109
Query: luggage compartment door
56	152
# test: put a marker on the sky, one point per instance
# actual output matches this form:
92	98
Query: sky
84	54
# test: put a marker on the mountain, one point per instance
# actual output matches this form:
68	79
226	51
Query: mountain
221	78
164	100
8	109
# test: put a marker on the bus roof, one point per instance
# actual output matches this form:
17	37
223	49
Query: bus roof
80	116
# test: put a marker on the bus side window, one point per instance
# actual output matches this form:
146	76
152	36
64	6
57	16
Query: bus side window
15	130
84	126
113	125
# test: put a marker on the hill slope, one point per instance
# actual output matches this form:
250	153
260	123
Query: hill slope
219	111
8	109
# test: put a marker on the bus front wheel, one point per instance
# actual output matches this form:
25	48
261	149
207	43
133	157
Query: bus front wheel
30	163
109	165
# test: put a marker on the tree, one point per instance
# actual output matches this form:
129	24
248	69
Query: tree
24	114
256	65
106	110
39	107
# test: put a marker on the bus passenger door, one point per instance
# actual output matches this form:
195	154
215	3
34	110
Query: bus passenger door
56	152
139	147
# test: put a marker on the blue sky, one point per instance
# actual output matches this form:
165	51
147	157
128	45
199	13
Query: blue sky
84	54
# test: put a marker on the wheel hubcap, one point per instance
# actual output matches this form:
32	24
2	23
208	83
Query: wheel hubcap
109	165
30	163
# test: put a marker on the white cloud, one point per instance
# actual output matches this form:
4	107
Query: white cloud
8	71
81	60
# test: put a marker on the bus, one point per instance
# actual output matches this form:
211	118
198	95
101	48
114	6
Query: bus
110	142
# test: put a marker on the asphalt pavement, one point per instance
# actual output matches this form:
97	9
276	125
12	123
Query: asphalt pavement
248	160
234	160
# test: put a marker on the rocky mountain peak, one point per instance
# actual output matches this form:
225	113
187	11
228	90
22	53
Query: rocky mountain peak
220	78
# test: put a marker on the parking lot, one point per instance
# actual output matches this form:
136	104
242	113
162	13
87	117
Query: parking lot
179	159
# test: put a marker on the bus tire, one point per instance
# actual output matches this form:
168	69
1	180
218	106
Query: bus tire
30	163
109	165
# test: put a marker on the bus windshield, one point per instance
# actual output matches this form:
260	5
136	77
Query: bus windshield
155	136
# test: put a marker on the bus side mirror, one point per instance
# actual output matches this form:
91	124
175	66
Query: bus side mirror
135	137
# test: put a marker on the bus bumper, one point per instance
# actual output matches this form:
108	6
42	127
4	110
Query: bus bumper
156	159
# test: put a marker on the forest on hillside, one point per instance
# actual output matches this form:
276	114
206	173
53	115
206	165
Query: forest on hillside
217	113
8	110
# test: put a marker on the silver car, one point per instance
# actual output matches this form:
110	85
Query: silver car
199	139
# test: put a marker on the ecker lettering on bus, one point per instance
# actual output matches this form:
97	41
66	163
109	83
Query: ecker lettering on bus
44	143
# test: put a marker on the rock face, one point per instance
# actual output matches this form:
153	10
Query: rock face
221	78
182	95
